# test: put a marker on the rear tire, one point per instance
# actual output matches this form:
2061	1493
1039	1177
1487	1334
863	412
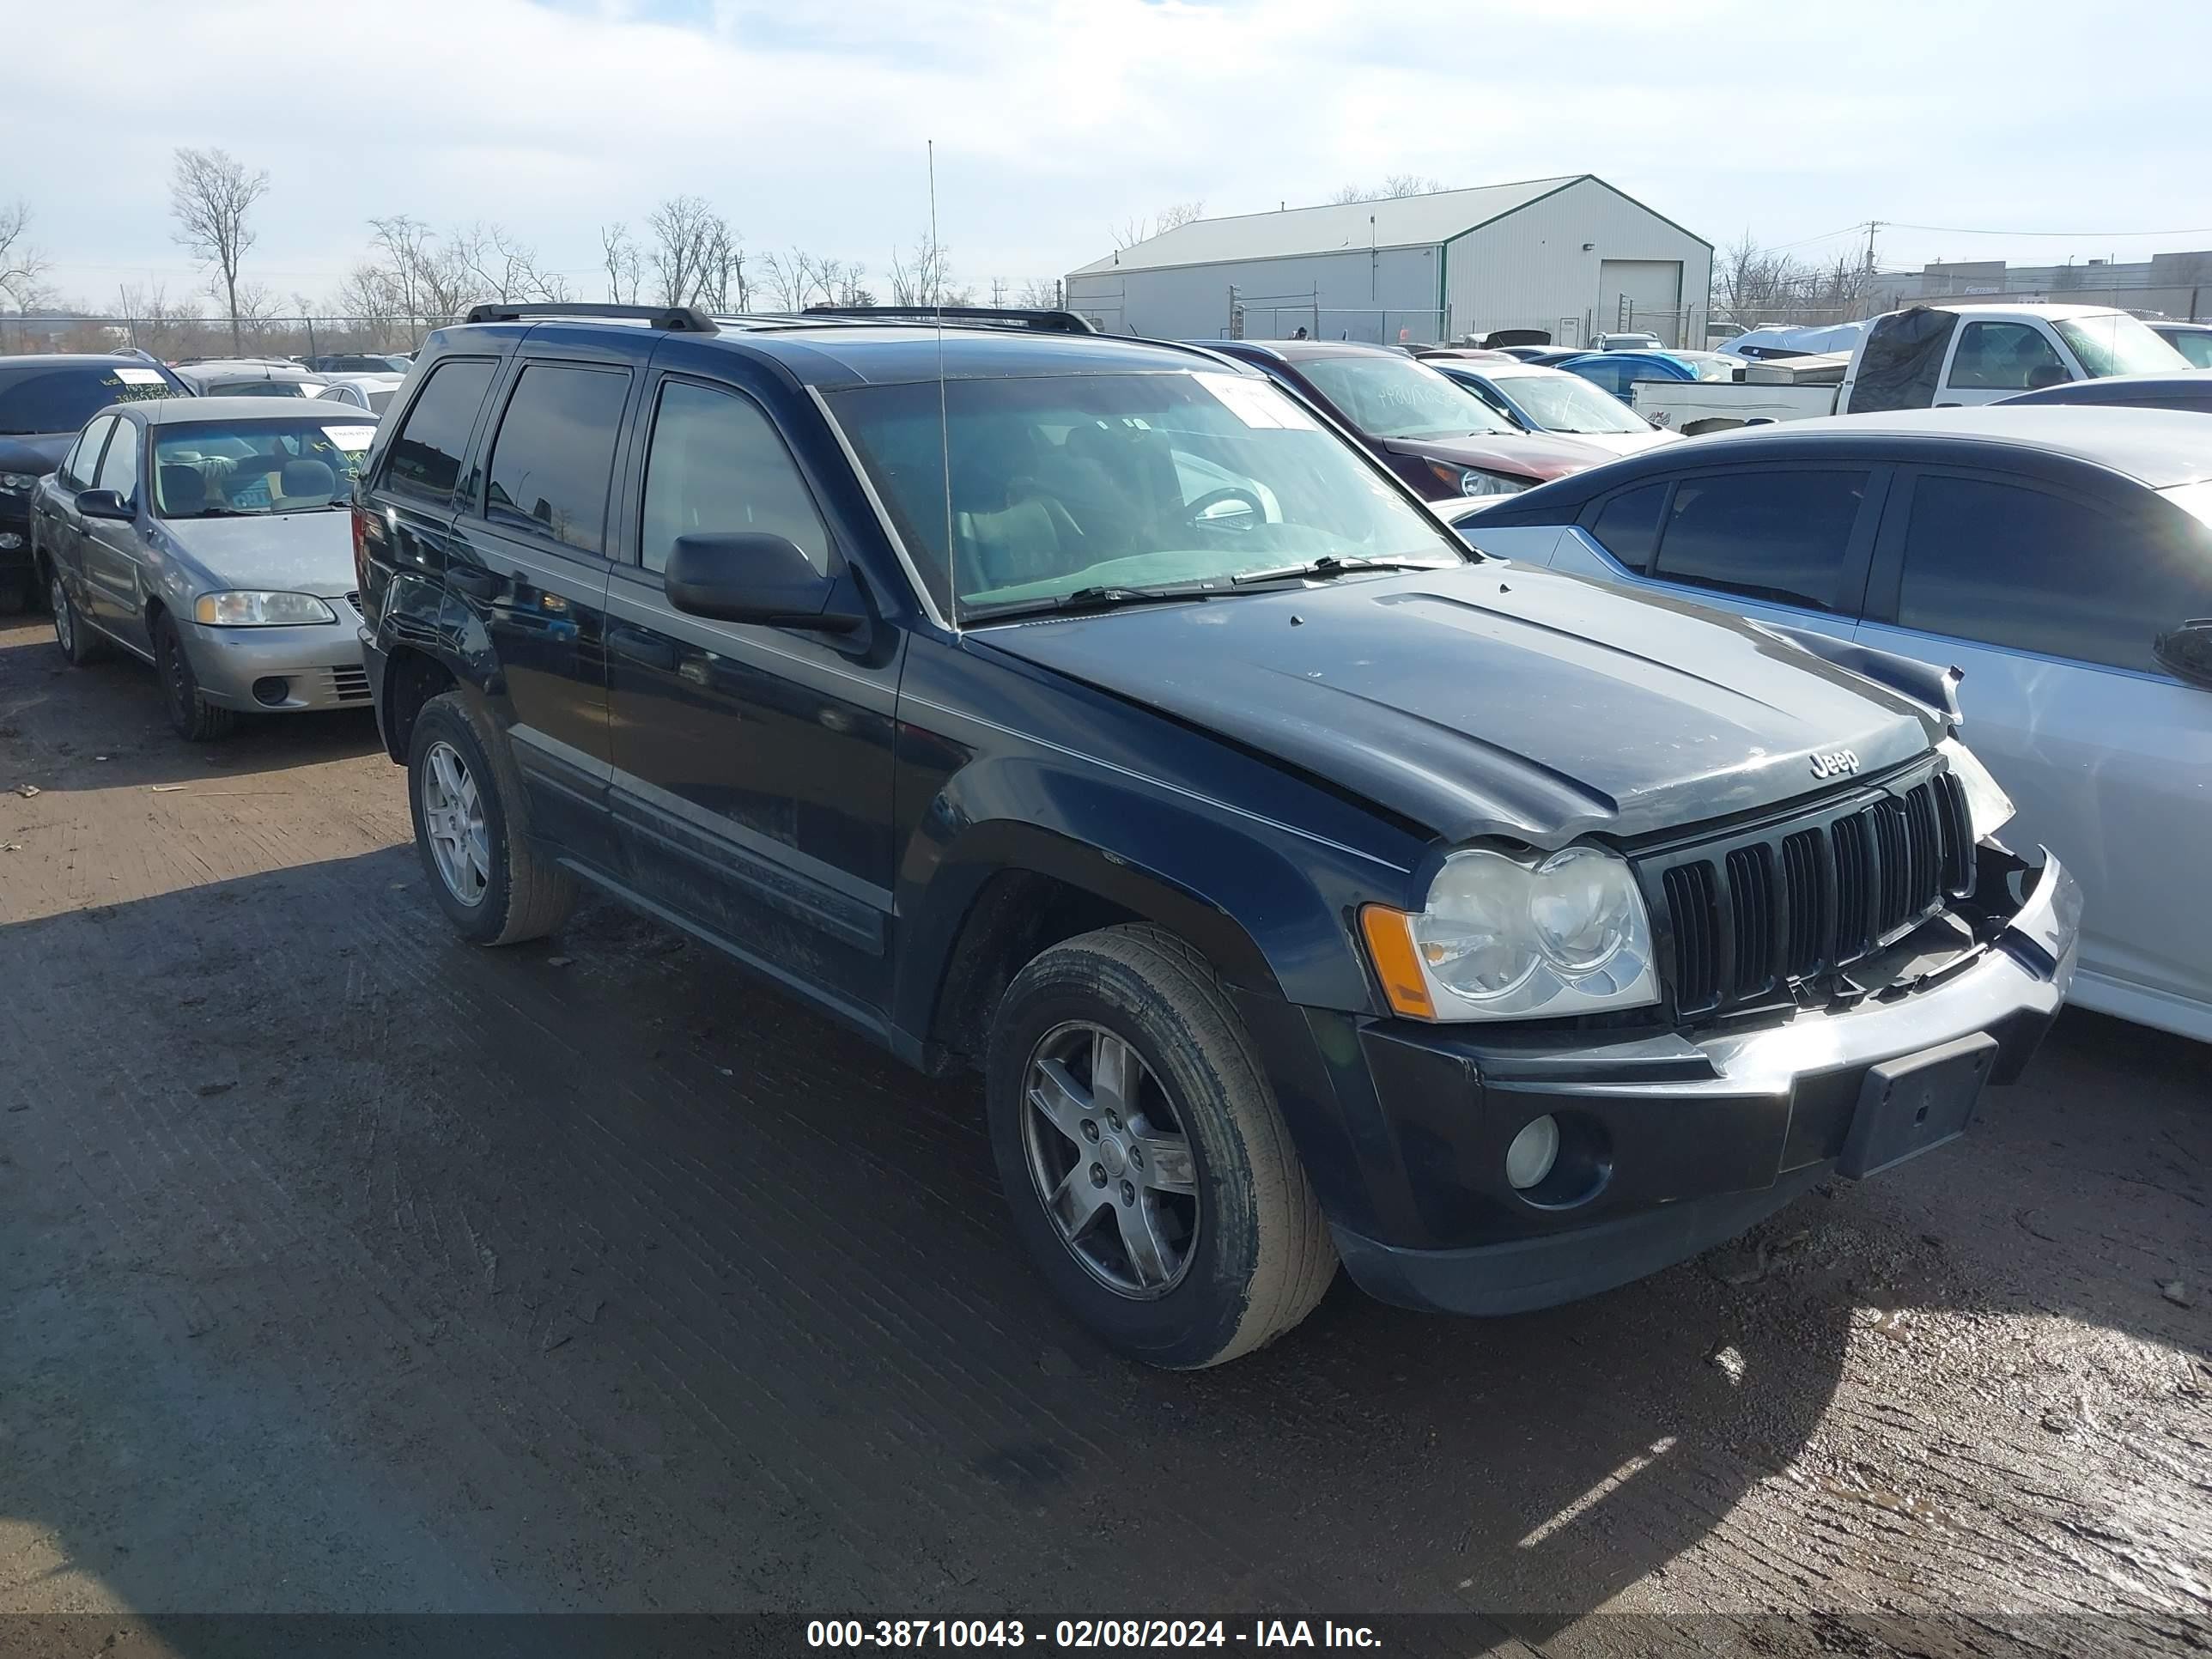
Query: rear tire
193	717
471	830
1254	1256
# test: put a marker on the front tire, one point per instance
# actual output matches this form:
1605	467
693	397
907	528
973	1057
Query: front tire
79	644
194	718
1149	1171
466	799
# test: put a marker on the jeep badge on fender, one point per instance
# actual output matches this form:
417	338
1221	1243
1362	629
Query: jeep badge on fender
1835	764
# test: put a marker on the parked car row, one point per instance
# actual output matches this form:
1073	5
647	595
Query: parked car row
1120	720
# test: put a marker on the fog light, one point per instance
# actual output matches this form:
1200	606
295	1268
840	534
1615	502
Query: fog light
1533	1153
10	541
272	690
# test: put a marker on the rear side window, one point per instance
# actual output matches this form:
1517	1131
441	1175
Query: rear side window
1627	527
2026	570
555	452
716	464
119	471
1780	535
2006	357
83	460
426	456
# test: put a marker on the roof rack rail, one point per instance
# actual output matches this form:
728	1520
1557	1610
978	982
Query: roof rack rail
678	319
1042	322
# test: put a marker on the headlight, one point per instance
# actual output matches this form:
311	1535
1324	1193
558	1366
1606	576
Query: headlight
1502	939
248	608
1473	481
1988	807
19	484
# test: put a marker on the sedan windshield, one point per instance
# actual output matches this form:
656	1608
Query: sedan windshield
1069	483
1398	398
232	470
2116	344
35	397
1567	402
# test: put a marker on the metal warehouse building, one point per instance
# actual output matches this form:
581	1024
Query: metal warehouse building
1572	256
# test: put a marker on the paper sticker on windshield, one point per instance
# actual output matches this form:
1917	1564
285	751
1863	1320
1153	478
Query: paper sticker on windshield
1256	403
139	377
350	437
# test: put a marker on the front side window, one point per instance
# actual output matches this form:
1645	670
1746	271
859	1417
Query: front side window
2006	357
1781	534
555	452
1060	483
250	469
119	471
2020	568
35	398
2116	344
716	466
2194	346
1393	396
83	458
426	455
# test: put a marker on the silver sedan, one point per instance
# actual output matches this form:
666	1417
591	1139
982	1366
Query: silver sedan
211	537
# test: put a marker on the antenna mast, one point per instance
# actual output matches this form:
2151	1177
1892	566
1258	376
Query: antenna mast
935	268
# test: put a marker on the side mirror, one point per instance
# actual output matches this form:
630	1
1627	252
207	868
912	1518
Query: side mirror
2186	652
104	504
753	578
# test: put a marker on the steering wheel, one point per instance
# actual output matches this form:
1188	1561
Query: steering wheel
1254	511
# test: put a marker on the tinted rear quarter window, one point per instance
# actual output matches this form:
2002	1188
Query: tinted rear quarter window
1779	534
426	455
2023	569
1627	527
555	452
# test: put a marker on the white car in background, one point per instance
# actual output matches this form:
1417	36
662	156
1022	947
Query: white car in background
373	393
2060	556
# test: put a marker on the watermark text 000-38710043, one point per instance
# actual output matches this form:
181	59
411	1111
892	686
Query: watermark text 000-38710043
1085	1634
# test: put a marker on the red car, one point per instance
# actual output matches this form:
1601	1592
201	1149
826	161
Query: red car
1438	436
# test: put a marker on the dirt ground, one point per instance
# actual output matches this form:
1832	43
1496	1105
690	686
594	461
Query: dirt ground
344	1267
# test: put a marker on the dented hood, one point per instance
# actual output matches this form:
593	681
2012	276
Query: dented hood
1493	700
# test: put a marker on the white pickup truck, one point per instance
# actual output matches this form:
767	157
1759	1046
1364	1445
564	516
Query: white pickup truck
1939	355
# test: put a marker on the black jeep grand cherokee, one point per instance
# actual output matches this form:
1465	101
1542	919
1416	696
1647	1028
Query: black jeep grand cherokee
1089	712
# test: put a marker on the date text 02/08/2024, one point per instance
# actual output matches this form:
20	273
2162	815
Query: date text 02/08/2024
1084	1634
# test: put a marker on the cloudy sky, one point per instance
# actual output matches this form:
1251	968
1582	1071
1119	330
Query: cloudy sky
1055	120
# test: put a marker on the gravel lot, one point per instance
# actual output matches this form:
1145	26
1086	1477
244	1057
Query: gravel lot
344	1267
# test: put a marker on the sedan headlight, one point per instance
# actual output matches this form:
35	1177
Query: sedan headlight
1501	938
18	483
1988	807
1473	481
249	608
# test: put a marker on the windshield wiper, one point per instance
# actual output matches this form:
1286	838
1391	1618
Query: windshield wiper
1329	565
1096	598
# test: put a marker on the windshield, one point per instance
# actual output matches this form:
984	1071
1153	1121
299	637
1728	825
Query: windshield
38	398
1398	398
1067	482
2116	344
1568	402
231	469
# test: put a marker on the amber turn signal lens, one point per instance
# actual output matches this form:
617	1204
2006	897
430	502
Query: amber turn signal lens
1390	947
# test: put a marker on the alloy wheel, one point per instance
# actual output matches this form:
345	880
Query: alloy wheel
1109	1161
65	623
453	819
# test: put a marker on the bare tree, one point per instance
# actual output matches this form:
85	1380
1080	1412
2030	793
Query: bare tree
622	262
1039	293
210	195
1130	232
923	277
507	269
695	254
23	268
1395	185
167	328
